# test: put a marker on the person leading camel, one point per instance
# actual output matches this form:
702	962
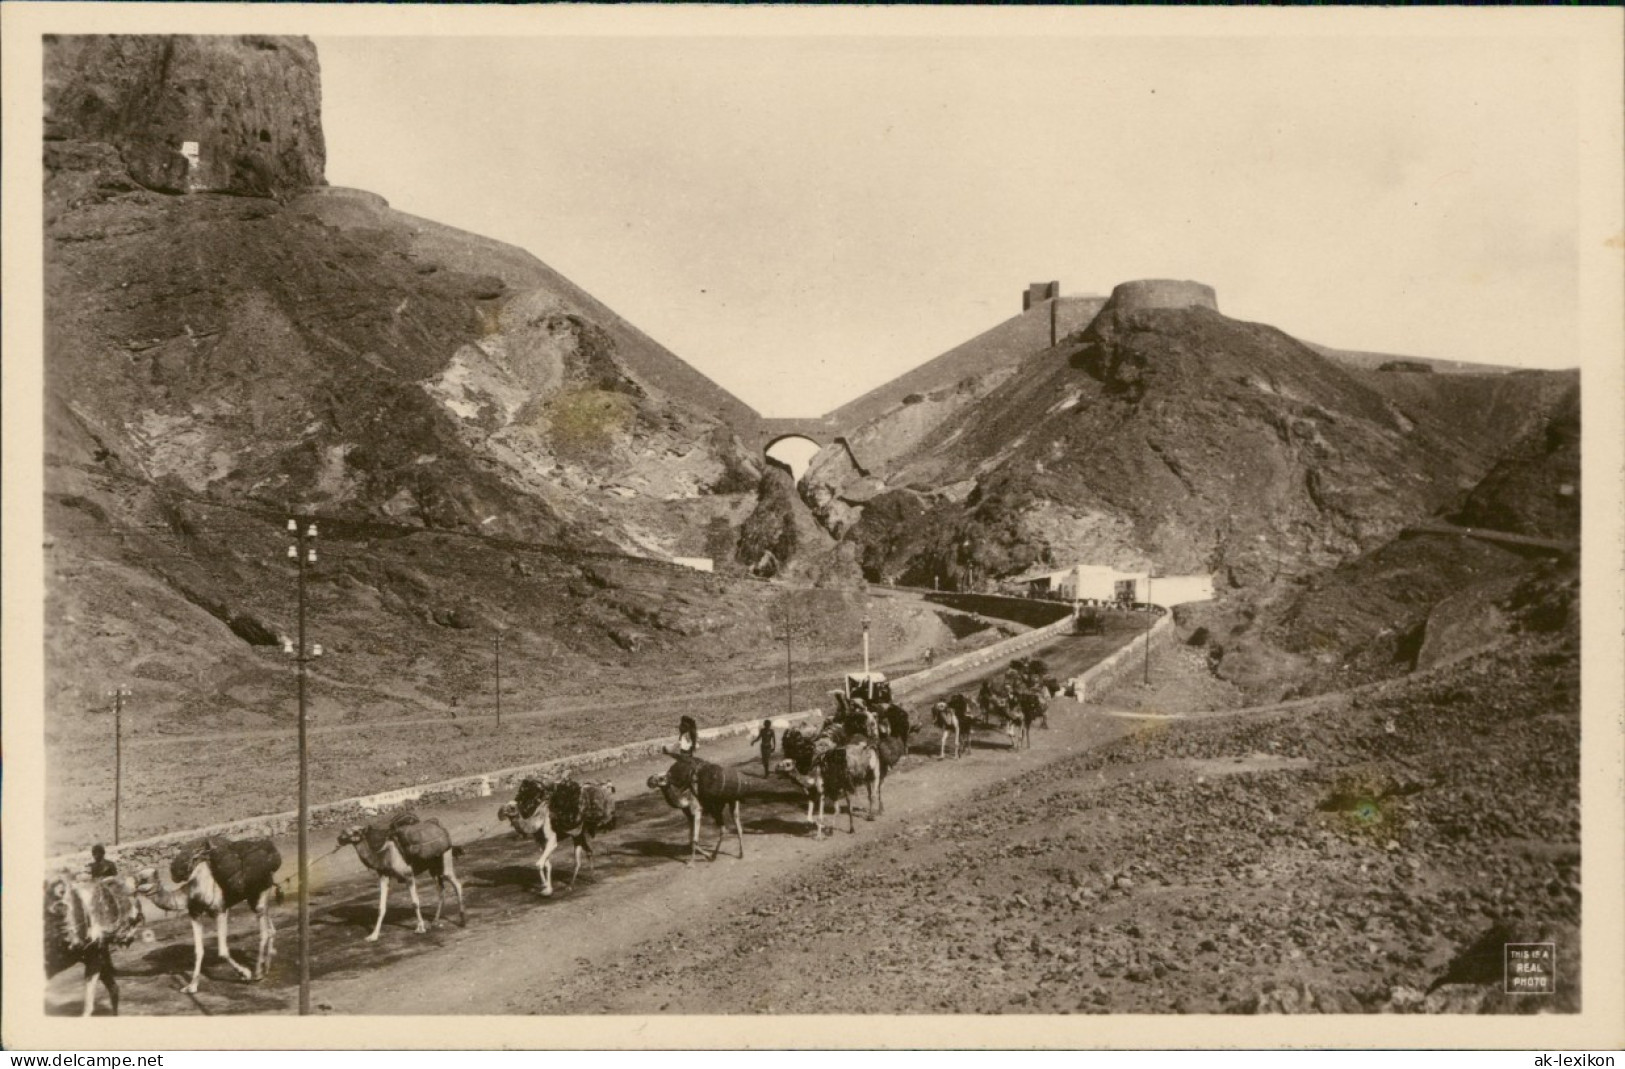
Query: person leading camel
768	742
688	736
100	867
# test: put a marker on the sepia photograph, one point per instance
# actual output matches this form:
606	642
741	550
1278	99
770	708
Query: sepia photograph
1057	521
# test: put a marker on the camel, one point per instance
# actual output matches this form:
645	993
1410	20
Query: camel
1030	706
693	787
402	850
546	809
85	919
216	875
829	772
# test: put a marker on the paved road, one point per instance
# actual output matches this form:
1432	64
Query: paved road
516	940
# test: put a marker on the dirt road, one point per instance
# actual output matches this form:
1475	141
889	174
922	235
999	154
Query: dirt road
520	948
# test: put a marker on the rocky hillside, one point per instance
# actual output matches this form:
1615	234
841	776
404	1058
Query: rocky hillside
228	340
1178	436
1421	599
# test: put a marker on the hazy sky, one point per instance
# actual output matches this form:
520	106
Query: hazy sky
803	218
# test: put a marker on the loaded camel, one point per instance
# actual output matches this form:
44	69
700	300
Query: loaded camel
693	787
210	878
402	850
1030	706
546	809
85	919
827	770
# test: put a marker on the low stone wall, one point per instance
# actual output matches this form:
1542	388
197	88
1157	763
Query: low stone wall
1029	612
999	651
353	810
1122	664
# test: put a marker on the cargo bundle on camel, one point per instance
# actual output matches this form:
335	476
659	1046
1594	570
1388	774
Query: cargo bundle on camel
546	809
85	921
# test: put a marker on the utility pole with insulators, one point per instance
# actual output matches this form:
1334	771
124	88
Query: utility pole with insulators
303	551
789	670
1150	623
118	694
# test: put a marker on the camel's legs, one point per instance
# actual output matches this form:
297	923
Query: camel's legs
544	866
267	951
440	896
693	834
93	975
110	977
722	832
457	885
383	906
220	925
851	821
417	903
577	870
197	957
739	830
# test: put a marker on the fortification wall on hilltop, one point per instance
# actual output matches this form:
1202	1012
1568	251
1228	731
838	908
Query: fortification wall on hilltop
1153	293
1073	314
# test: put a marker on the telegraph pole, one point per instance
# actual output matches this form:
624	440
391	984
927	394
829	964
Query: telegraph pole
303	552
1151	621
119	694
866	641
789	671
499	680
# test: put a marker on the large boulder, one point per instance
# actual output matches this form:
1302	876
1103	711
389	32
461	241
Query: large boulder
250	105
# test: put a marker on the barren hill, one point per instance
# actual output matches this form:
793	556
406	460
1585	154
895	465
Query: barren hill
227	340
1180	437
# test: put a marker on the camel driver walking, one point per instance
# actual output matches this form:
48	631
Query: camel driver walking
765	736
99	865
688	735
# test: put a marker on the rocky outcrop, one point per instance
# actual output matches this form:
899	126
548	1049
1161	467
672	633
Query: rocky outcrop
187	114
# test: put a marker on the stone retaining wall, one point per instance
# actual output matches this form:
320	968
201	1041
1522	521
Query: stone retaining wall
999	651
353	810
1125	662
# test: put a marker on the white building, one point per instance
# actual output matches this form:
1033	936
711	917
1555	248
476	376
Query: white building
1098	582
702	564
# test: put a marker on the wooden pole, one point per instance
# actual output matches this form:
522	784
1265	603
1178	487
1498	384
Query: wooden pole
789	670
118	760
304	799
499	680
1151	621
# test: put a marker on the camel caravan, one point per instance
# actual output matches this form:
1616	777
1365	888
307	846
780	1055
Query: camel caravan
831	761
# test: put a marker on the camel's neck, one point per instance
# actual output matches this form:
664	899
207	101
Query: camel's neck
533	824
385	862
170	897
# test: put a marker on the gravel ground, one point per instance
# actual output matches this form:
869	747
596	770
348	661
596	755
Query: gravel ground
1354	856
